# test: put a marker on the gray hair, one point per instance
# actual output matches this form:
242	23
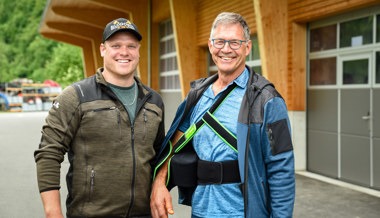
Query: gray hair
230	18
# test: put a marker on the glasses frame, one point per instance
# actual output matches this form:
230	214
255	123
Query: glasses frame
229	44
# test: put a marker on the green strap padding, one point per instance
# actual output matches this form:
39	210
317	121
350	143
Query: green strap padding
158	166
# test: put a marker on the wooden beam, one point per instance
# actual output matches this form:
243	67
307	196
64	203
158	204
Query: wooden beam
139	16
155	57
272	31
161	9
298	84
89	16
184	27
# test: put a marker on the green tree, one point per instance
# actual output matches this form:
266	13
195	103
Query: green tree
65	67
25	53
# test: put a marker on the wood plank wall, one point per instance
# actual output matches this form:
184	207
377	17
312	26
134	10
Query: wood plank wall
208	10
300	12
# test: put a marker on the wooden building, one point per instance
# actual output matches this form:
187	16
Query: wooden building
308	48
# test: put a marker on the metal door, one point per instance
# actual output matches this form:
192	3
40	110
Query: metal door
355	125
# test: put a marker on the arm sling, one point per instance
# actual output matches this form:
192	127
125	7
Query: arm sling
187	170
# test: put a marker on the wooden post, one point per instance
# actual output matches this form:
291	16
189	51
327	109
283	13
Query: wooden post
184	27
272	30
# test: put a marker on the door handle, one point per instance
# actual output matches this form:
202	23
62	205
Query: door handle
366	117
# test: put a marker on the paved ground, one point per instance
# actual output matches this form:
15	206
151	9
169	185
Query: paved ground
19	197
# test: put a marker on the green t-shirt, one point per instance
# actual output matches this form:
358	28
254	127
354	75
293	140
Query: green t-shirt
128	96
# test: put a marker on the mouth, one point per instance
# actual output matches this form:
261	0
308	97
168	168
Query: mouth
123	61
224	58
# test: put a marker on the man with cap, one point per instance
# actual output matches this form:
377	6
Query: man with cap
111	125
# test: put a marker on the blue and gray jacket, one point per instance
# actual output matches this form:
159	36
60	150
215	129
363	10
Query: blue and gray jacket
265	150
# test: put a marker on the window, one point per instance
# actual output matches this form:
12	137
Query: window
323	38
356	32
333	40
323	71
169	74
253	59
355	72
378	28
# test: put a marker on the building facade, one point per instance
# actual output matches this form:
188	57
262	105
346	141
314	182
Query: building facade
322	55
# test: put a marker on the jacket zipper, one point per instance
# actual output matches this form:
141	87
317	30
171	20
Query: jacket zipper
144	123
119	123
105	109
92	178
134	171
138	107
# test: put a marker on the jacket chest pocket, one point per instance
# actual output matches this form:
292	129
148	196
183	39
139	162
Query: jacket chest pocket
102	124
151	122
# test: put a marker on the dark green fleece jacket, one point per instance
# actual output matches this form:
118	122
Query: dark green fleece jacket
110	159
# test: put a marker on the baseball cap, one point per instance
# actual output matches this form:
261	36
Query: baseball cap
120	24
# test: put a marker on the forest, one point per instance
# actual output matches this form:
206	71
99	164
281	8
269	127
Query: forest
24	53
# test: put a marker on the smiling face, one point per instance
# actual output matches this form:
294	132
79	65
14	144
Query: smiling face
227	60
121	57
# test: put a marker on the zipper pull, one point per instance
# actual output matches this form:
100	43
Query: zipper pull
133	133
91	185
118	115
145	115
92	177
145	119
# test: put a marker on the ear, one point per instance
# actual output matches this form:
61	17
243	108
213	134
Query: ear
102	49
248	47
209	45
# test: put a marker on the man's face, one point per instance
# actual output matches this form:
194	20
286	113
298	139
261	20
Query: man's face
121	54
229	61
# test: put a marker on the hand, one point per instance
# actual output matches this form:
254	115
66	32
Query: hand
161	201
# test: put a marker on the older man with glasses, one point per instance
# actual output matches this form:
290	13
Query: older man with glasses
229	148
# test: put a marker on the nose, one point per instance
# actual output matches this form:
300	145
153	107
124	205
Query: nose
124	50
226	47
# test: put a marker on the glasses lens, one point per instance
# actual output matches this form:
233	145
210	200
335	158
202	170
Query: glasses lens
235	44
219	43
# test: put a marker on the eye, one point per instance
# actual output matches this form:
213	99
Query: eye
219	42
235	43
115	46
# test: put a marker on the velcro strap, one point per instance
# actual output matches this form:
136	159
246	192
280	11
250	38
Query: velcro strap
210	172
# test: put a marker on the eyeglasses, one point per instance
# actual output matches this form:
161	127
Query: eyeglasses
235	44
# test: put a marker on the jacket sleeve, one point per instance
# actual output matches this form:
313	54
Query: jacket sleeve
57	133
160	133
279	158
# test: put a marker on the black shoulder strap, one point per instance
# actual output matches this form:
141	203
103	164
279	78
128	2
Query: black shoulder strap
190	132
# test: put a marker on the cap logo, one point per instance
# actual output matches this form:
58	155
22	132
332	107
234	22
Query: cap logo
121	25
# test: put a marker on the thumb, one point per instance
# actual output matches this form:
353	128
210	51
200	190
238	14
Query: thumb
169	207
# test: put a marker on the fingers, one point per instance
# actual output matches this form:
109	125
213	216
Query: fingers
161	202
161	210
